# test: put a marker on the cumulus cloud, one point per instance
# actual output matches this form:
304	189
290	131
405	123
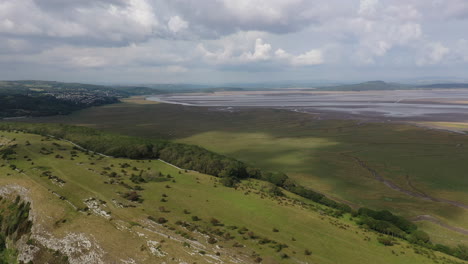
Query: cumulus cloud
216	18
381	28
179	36
262	51
93	22
312	57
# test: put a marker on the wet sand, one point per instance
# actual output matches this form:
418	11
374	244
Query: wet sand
405	105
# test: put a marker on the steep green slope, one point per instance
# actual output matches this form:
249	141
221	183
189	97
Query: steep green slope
89	207
337	157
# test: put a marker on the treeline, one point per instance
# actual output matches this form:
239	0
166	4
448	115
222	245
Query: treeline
387	223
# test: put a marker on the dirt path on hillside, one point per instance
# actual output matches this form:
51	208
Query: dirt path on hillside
436	221
414	193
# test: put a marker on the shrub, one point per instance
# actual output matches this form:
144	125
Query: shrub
215	222
419	237
229	181
386	241
132	196
212	240
162	220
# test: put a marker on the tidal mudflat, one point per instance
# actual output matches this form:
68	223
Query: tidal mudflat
409	105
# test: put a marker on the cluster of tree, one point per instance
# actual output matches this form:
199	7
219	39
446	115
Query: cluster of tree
399	222
387	223
317	197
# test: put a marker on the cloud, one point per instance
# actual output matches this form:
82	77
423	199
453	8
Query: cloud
177	24
433	53
312	57
381	28
96	22
368	7
223	17
186	36
455	9
262	52
461	50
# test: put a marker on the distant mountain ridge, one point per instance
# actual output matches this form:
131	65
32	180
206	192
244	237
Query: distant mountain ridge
368	86
446	85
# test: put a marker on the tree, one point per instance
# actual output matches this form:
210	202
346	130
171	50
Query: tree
419	237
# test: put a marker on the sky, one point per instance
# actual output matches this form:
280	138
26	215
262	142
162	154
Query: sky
232	41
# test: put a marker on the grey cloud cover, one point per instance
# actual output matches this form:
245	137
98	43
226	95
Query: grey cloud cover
229	40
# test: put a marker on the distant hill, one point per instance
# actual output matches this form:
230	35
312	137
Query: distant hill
137	90
368	86
41	87
445	85
42	98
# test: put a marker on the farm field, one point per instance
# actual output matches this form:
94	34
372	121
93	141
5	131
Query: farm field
420	171
77	197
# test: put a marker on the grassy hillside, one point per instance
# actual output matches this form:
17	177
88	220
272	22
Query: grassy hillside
83	203
332	156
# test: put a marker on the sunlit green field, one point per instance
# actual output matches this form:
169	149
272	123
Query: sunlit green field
317	153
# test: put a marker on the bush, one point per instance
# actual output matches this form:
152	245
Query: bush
419	237
229	181
212	240
132	196
161	220
386	241
215	222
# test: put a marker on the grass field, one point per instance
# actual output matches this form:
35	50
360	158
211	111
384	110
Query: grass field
57	208
453	126
320	154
